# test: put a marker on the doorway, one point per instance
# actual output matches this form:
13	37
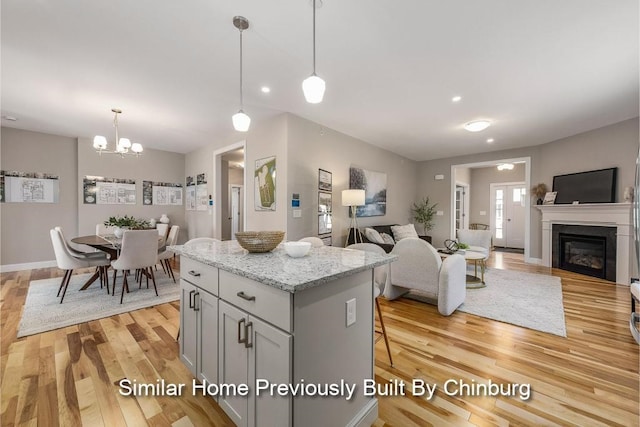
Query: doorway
229	195
508	214
462	206
235	209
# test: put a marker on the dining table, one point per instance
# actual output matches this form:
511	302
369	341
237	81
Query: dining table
108	243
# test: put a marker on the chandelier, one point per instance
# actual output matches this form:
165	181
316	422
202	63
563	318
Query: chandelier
123	145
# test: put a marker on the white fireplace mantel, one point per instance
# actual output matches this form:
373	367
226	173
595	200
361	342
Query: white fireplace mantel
596	214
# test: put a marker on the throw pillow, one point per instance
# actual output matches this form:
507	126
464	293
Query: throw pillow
387	239
403	231
373	235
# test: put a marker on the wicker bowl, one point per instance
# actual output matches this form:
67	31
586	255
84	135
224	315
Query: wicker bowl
259	241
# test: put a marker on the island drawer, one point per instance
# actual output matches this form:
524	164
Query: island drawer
266	302
199	274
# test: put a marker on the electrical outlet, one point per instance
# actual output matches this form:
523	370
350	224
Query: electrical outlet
351	311
297	213
483	213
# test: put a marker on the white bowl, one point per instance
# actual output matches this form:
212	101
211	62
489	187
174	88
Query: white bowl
297	249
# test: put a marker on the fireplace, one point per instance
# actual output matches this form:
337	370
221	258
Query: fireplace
589	250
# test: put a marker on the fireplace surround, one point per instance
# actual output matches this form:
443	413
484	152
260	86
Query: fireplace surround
589	250
614	215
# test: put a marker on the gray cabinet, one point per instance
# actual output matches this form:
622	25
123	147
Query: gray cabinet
252	349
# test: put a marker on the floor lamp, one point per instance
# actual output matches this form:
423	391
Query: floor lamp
353	198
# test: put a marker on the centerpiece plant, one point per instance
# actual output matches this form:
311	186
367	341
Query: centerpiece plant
125	222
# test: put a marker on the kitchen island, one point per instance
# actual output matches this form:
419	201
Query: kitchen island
277	340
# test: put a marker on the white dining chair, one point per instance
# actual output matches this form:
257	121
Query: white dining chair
96	256
139	250
66	261
163	229
380	276
316	242
164	256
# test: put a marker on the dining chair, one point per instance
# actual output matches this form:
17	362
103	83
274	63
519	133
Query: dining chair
164	256
139	250
96	256
66	261
163	229
380	276
316	242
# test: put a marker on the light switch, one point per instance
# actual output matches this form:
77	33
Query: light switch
297	213
439	213
483	213
351	311
439	177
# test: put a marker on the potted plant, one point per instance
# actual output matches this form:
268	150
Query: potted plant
423	212
539	190
125	222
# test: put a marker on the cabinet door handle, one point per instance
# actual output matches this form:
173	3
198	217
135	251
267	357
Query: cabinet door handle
194	273
244	296
247	334
240	339
196	304
191	298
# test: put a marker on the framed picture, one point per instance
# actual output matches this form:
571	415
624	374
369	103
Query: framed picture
374	185
324	180
550	198
265	184
326	240
324	223
324	202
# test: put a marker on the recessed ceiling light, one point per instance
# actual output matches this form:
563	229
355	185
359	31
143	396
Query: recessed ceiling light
477	125
456	98
265	89
490	140
10	118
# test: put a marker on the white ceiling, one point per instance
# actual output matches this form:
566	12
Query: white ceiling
539	69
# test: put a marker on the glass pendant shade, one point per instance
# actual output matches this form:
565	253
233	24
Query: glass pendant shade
124	143
136	147
100	142
313	88
241	121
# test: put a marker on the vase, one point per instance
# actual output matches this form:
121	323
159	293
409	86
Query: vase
539	201
118	232
164	219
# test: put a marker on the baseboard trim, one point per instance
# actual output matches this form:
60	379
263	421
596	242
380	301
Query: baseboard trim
536	261
26	266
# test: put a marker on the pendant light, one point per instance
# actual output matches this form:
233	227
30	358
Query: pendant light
240	120
313	86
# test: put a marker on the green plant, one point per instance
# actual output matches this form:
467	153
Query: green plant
126	221
463	246
423	212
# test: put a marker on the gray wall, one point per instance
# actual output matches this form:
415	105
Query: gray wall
312	147
153	165
25	226
480	193
614	145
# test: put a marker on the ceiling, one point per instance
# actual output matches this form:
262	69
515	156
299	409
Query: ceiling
539	69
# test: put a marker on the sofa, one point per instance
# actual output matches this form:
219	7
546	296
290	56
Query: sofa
362	238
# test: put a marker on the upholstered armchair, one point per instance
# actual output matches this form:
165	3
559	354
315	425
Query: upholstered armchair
420	267
478	240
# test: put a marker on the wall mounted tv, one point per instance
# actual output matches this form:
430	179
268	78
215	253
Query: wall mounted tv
597	186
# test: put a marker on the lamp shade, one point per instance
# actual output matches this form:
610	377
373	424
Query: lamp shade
313	88
353	197
99	142
241	121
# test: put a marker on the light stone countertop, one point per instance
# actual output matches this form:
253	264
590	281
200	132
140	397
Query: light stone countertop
277	269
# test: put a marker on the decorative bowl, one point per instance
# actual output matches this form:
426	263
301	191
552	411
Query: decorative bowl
259	241
297	249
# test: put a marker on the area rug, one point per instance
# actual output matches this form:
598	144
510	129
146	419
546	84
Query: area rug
529	300
43	311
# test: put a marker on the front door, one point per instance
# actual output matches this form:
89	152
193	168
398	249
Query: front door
508	214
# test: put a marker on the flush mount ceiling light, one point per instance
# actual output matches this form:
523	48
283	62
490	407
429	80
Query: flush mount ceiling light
265	89
241	121
490	140
123	145
477	125
456	98
505	167
313	86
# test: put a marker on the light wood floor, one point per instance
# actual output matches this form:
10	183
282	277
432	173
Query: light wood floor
67	377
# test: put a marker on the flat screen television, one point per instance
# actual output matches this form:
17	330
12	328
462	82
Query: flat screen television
597	186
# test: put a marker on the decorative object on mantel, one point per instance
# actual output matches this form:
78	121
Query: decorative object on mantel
539	190
123	145
259	241
423	212
550	198
628	195
125	222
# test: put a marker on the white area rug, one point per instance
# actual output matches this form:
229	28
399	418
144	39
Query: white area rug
530	300
43	311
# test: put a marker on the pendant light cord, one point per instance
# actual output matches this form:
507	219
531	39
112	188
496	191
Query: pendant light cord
314	37
241	102
115	124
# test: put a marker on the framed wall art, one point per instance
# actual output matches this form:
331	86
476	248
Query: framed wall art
324	180
375	186
265	184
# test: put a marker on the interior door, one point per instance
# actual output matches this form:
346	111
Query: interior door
508	214
460	207
235	211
